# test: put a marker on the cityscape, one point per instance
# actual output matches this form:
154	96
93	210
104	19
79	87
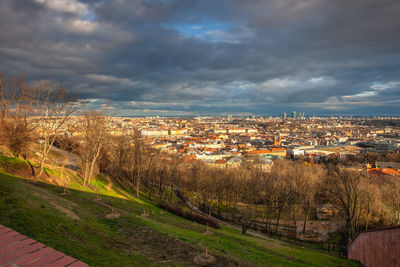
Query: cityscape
199	133
221	141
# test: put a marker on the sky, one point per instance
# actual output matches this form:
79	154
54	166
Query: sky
208	57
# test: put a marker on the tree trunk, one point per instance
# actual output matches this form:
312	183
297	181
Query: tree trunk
92	167
268	220
278	215
244	229
41	163
294	225
138	182
85	175
306	217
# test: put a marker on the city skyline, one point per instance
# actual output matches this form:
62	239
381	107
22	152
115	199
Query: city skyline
188	58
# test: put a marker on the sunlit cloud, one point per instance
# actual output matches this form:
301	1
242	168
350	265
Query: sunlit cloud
111	79
68	6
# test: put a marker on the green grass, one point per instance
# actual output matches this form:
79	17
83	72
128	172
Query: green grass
11	161
76	225
52	171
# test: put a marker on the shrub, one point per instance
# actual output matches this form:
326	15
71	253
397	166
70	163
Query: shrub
189	215
67	143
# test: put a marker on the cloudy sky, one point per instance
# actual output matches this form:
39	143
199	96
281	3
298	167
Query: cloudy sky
186	57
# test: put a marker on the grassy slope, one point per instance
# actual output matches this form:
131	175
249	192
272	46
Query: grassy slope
75	224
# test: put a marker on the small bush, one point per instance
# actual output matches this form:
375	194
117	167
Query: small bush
17	135
67	143
189	215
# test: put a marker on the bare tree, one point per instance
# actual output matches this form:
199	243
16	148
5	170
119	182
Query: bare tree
281	195
269	186
4	96
52	110
346	192
371	195
392	199
312	176
137	160
65	179
250	185
301	180
95	129
122	145
16	108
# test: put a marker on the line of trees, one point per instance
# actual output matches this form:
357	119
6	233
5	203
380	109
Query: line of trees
249	195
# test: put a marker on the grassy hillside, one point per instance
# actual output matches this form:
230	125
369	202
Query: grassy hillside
76	224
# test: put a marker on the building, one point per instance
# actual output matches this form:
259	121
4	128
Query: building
273	152
277	141
294	114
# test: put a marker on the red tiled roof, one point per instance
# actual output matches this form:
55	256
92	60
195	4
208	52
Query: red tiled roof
384	171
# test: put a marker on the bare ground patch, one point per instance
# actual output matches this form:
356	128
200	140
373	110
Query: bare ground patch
167	250
65	207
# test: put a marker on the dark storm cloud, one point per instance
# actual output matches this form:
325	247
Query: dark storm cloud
198	57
